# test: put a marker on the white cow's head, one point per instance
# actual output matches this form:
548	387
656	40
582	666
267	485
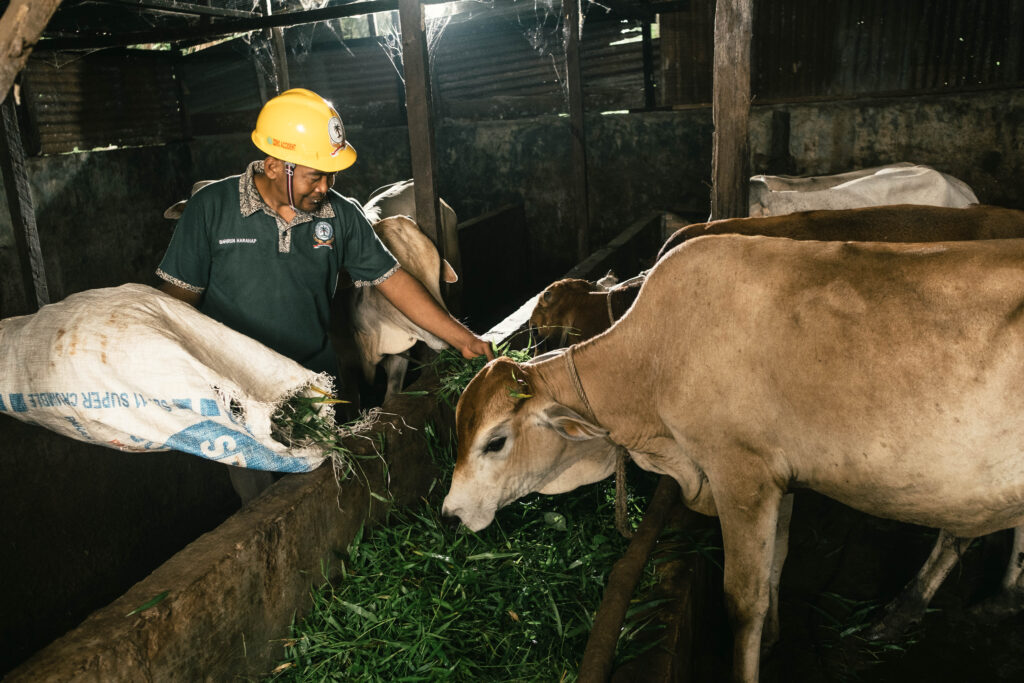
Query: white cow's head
514	439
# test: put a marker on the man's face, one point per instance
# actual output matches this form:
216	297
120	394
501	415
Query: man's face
309	187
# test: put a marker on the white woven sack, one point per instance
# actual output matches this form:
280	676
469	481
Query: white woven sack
135	369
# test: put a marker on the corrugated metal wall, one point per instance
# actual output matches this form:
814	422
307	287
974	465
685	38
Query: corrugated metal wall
98	101
850	48
506	60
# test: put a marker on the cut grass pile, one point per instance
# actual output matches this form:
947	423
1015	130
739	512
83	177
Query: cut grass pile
418	600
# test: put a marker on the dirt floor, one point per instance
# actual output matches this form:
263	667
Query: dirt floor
843	566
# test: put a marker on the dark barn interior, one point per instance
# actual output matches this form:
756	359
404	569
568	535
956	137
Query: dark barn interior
547	142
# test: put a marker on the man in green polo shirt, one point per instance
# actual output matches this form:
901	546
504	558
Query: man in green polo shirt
261	252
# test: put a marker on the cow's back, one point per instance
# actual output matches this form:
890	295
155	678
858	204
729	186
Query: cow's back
899	223
872	373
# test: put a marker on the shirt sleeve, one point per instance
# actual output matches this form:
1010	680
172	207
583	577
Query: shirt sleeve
186	262
364	256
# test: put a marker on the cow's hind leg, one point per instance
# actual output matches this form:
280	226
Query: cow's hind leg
910	604
771	624
749	512
1011	599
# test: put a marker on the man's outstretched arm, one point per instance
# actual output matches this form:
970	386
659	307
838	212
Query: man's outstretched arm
412	299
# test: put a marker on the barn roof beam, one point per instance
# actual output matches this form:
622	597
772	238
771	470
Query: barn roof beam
176	7
222	28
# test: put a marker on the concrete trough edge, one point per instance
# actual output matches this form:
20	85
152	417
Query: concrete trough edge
233	592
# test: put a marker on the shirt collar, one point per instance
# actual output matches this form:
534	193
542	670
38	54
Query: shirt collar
250	200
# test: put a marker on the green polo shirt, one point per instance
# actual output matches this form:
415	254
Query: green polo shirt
270	280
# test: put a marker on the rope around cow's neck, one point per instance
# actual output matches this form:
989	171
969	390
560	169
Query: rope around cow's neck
621	521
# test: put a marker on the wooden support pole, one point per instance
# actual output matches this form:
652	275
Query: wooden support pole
596	666
730	166
422	151
19	200
20	27
278	54
574	80
648	56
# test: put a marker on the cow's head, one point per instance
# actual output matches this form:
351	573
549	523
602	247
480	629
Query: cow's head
570	311
514	440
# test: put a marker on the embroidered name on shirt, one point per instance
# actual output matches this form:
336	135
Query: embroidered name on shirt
237	240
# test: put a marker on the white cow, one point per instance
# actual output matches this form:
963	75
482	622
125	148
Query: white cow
390	342
382	332
399	199
886	376
901	183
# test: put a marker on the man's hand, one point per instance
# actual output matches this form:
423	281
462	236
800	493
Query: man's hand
477	347
412	299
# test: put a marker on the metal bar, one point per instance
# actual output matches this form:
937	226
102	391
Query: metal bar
221	28
577	128
183	8
730	167
19	201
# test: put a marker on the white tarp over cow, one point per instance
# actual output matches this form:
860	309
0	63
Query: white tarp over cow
135	369
901	183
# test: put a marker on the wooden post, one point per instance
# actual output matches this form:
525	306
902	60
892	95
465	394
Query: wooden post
20	27
422	152
574	82
650	101
730	166
278	54
19	200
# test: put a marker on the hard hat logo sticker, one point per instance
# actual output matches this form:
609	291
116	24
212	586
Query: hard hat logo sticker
336	131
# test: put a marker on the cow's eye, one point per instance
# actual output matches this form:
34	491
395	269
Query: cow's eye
495	445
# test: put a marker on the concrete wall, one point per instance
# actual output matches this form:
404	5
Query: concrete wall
83	523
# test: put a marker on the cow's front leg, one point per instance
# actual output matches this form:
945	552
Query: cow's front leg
395	367
749	512
910	604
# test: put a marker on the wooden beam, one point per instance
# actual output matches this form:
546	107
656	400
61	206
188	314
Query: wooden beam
650	100
574	80
19	201
279	53
22	23
422	151
183	8
220	28
730	109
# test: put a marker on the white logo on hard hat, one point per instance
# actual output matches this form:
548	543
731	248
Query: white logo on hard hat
336	131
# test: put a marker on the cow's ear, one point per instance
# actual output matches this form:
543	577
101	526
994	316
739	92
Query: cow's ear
448	273
571	425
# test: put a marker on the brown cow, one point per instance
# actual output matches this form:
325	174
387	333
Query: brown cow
885	376
572	310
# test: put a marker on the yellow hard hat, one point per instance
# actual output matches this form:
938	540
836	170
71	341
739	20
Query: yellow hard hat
301	127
